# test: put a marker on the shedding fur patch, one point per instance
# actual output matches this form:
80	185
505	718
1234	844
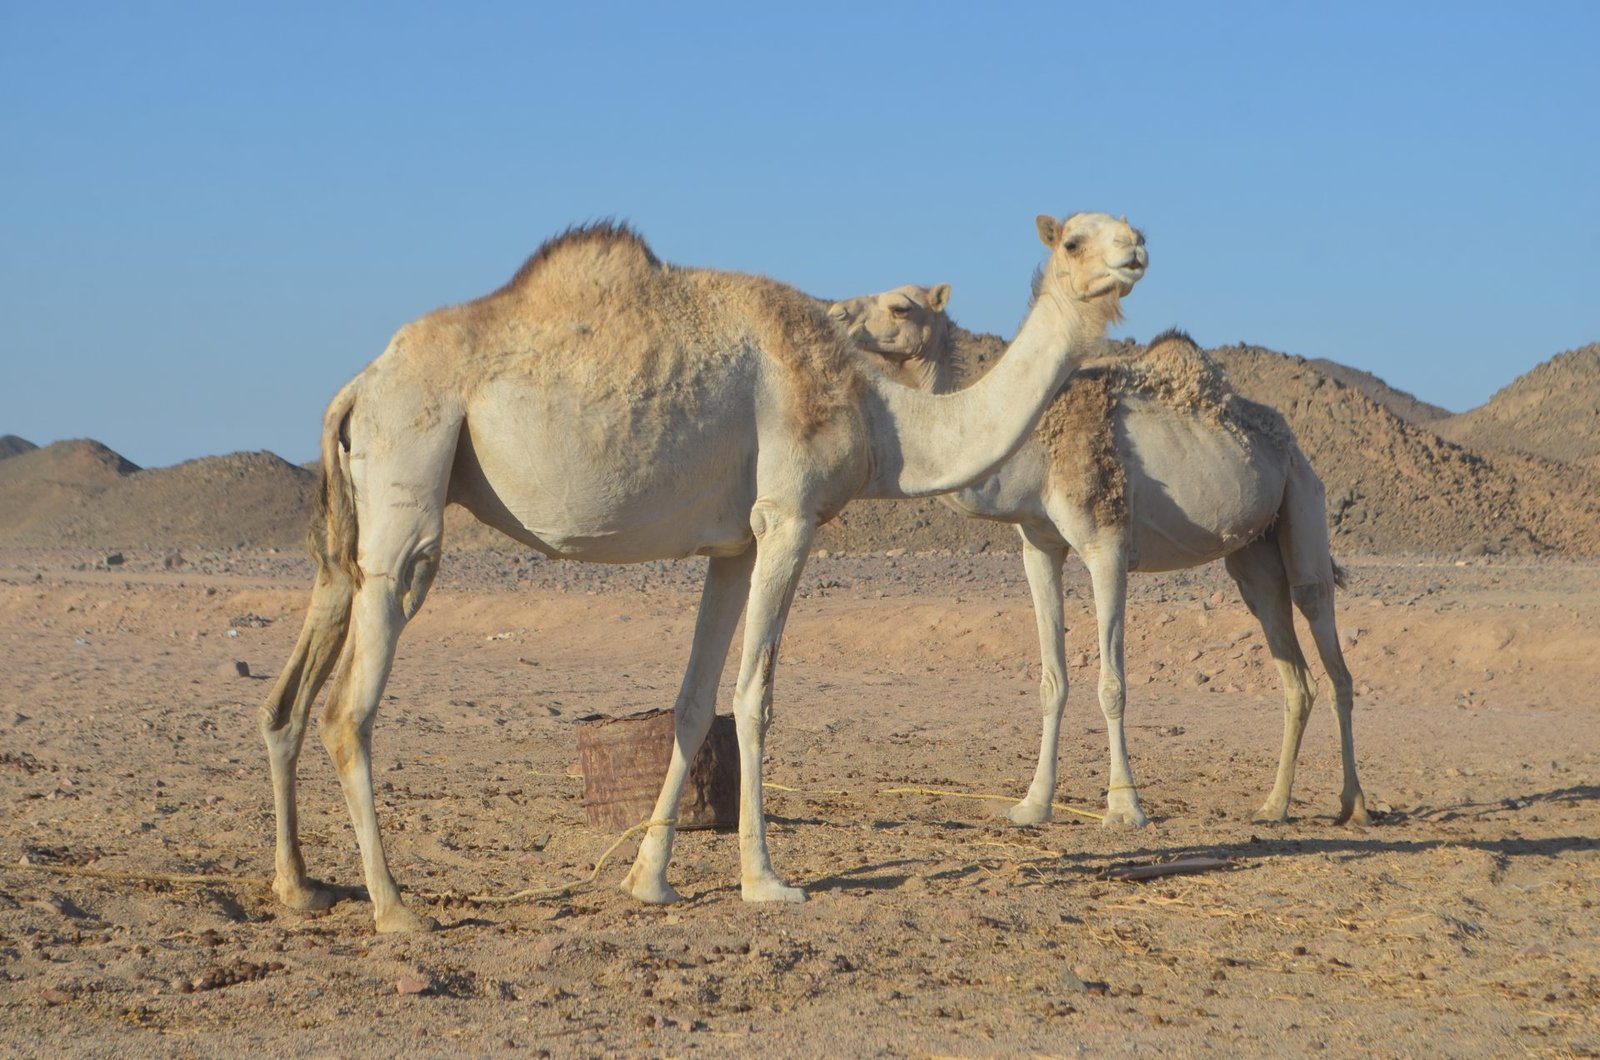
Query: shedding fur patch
1175	371
1078	434
1079	428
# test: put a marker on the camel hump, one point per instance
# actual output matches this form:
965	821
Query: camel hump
600	245
1177	372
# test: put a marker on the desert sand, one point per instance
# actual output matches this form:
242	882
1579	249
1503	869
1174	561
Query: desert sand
1461	923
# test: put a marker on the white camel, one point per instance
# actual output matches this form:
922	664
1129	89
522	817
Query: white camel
1143	464
604	406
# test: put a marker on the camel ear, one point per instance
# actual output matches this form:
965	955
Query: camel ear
841	311
1049	229
938	297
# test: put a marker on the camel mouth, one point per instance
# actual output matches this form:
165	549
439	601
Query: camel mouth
884	351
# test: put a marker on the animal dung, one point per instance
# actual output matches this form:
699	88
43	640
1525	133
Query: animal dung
625	761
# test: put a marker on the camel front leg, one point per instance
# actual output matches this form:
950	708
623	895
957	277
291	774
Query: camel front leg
782	539
1042	561
1108	573
721	602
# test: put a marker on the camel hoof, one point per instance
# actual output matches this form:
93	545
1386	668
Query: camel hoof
1271	814
652	891
1125	818
1354	813
303	896
1026	814
770	889
398	918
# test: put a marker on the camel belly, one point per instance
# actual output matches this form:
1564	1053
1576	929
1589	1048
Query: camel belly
1195	491
607	480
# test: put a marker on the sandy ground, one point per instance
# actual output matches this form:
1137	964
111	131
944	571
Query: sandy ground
1461	923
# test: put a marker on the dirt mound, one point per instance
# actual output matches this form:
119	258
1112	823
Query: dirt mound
81	493
1405	405
1396	487
1552	411
11	445
40	487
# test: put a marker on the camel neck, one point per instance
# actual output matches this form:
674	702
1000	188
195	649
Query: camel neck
928	443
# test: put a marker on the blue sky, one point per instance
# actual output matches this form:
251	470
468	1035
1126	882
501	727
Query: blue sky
215	214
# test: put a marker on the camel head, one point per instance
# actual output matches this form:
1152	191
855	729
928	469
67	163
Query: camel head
1094	258
907	322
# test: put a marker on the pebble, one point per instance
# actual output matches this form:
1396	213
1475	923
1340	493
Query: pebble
411	985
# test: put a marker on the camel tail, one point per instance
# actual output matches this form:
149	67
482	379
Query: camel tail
1340	580
332	542
333	534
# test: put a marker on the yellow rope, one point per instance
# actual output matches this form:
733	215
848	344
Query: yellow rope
802	791
548	892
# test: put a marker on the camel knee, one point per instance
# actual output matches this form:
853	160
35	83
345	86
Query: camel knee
1310	598
1052	688
1113	696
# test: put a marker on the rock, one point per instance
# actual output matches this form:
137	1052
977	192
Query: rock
234	668
1200	677
113	559
412	985
173	560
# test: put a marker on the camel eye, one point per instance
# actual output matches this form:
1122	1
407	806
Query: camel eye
899	310
1071	246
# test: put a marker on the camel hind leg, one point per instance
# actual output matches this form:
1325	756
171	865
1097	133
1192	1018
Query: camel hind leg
1258	570
399	499
283	728
1302	537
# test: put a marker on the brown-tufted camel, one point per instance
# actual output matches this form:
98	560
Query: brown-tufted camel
605	406
1145	464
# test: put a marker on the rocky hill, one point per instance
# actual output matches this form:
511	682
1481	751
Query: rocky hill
81	493
1405	405
1396	487
1552	411
11	445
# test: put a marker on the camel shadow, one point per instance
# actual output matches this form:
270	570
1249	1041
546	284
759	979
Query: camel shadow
1354	845
1359	844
